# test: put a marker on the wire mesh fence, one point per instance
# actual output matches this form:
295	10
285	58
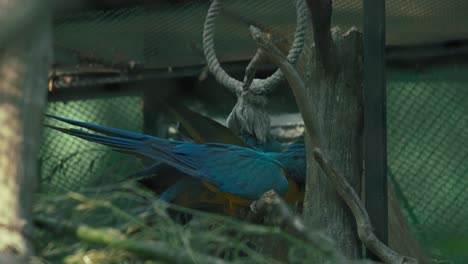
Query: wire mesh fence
69	163
427	148
427	107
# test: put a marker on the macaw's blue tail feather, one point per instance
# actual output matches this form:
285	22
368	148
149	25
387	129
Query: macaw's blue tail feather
121	144
110	131
231	169
147	146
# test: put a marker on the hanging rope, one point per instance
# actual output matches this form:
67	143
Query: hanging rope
249	115
259	86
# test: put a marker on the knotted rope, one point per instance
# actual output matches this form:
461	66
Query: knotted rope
249	115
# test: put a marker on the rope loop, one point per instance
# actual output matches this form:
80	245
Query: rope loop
258	86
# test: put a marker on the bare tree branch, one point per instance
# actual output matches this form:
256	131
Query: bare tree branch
270	204
295	81
252	69
364	227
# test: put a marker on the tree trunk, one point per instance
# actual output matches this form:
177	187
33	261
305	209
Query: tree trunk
24	63
336	96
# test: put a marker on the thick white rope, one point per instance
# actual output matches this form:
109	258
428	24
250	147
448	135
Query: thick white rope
259	86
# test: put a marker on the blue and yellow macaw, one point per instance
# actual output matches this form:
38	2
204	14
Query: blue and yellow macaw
236	175
201	130
189	192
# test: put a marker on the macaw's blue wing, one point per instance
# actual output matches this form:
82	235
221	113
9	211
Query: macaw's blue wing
236	170
183	185
293	158
270	145
109	131
230	169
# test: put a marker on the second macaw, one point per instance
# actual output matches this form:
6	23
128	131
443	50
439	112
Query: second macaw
236	174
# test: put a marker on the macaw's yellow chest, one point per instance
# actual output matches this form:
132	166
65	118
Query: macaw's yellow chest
294	194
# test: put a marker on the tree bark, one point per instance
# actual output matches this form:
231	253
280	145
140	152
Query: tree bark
336	95
343	188
24	64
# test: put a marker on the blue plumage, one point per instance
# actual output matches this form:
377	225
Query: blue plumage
232	169
270	145
293	158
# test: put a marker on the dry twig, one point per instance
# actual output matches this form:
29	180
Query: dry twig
252	69
271	204
295	81
113	238
364	227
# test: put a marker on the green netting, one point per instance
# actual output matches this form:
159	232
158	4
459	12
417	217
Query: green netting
152	35
427	148
427	107
69	163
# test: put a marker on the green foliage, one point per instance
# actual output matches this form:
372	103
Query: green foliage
89	226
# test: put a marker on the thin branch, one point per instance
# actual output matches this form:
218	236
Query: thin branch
297	85
364	227
252	69
113	238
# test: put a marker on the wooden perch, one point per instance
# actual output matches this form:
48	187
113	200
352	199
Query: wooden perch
270	204
364	227
343	188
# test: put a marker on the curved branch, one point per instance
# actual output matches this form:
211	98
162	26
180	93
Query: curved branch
298	86
364	227
270	204
251	70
